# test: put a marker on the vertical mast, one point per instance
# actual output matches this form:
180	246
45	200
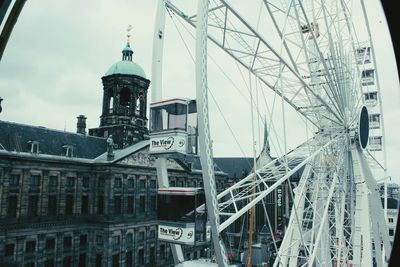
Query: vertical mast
156	95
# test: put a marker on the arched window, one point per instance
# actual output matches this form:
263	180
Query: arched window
124	97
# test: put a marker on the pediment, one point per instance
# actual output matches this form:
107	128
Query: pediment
142	158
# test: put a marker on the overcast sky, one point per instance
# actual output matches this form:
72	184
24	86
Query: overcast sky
59	50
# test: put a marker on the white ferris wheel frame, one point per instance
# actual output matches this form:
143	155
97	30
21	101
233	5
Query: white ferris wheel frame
347	214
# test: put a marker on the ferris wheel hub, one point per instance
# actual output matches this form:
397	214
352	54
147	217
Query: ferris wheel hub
363	128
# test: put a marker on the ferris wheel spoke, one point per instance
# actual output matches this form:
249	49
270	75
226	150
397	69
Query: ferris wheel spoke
237	42
317	200
293	239
230	201
318	54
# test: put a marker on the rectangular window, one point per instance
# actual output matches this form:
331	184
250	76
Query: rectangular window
153	201
33	206
9	250
162	252
141	237
49	263
116	241
53	181
152	255
100	204
128	258
34	180
129	239
141	256
101	183
131	183
12	203
117	204
85	205
99	240
14	180
70	181
67	242
82	260
50	243
99	260
30	246
85	182
142	204
115	260
391	232
390	220
67	261
83	240
153	184
118	183
142	184
69	205
152	233
52	205
130	204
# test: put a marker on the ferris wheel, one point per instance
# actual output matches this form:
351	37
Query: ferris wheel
318	57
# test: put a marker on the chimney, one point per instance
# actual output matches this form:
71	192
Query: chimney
81	124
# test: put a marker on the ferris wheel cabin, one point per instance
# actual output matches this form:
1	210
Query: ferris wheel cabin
182	216
173	128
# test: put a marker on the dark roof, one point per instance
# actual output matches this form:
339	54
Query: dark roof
234	167
16	137
238	168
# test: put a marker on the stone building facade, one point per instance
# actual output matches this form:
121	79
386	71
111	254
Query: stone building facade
74	212
74	199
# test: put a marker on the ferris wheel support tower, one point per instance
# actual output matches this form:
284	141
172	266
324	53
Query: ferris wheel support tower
156	96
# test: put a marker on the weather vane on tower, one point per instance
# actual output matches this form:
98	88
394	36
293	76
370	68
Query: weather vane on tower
128	34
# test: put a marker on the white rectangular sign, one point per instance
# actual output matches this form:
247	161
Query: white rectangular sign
168	144
182	235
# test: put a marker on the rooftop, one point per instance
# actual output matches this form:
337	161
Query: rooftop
15	137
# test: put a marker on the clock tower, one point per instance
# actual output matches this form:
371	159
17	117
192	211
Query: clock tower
124	102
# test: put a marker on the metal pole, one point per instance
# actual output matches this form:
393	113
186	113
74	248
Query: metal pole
156	95
10	23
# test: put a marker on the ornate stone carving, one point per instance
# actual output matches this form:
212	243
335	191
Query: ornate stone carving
143	158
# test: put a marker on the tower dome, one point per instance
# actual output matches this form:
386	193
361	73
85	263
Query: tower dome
126	65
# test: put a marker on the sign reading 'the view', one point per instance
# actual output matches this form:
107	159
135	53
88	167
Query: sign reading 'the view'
168	144
182	235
